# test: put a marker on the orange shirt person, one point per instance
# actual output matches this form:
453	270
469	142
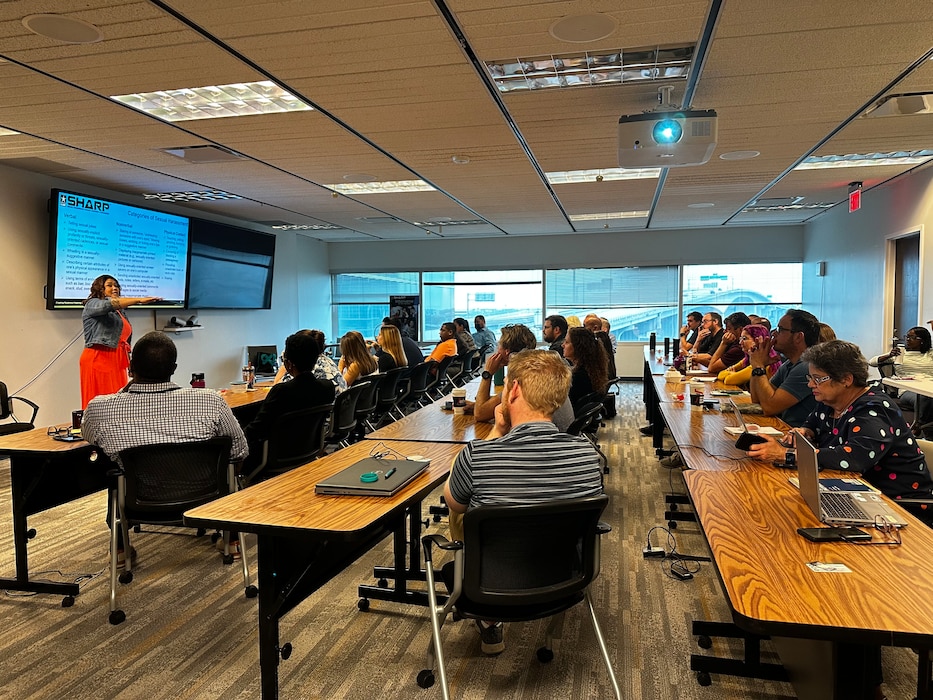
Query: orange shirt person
447	345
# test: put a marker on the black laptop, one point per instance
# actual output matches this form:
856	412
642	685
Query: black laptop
372	477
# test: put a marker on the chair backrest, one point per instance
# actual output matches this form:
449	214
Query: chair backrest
388	389
422	379
440	377
888	369
4	402
926	446
585	400
366	403
585	417
296	438
164	480
344	414
480	356
518	555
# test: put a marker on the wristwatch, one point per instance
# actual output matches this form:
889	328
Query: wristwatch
758	372
486	375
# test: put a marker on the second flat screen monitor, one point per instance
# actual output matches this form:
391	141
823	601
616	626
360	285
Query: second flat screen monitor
229	267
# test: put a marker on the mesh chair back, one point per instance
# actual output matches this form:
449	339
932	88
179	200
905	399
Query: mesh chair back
366	403
440	378
587	416
586	399
388	389
420	379
297	438
530	555
344	414
162	481
464	361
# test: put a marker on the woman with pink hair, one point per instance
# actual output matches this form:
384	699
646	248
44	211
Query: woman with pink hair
741	372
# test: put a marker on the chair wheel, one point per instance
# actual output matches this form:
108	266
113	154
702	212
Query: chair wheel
137	528
125	577
30	533
704	679
285	651
68	601
201	532
545	655
672	524
437	517
382	583
228	559
363	605
116	617
673	507
214	537
252	591
425	678
704	642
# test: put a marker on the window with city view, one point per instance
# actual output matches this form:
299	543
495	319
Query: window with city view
637	301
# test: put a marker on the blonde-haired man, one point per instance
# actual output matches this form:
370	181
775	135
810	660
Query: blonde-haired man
529	460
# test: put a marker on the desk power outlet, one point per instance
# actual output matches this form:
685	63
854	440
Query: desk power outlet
649	552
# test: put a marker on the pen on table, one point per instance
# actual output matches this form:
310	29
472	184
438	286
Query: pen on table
390	472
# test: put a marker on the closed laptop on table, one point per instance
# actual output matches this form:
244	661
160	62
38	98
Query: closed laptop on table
391	475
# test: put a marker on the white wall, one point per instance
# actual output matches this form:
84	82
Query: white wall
850	297
734	244
33	336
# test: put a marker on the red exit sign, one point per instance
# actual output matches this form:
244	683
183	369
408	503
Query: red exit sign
855	196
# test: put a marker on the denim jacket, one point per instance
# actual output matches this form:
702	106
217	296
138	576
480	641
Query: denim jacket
102	323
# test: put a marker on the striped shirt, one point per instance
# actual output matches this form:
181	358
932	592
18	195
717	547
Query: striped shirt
534	462
148	414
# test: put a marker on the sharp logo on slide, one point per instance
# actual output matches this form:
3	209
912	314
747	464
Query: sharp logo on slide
71	200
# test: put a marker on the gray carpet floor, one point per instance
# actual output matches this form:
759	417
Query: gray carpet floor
191	633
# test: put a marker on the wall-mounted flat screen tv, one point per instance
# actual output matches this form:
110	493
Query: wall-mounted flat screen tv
145	250
229	267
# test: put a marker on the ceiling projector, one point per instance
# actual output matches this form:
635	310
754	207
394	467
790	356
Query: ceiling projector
667	139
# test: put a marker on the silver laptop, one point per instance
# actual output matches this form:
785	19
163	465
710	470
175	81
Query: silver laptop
372	476
859	508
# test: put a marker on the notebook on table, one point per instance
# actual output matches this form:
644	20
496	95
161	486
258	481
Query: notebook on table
391	476
859	508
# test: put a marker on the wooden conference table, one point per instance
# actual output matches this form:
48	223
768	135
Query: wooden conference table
305	539
45	473
749	513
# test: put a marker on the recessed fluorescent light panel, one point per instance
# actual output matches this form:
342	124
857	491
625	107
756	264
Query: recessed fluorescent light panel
381	187
865	160
567	177
610	215
204	196
788	207
214	101
450	222
613	67
307	227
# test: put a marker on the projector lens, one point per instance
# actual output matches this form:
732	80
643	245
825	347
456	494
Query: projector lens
667	131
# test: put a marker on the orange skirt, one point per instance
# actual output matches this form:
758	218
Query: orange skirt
103	371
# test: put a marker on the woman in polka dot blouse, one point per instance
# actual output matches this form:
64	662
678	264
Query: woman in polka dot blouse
858	427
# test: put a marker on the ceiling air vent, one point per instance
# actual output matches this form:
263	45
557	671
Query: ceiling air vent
204	154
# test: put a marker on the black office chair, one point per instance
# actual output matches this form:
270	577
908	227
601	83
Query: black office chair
419	384
518	563
155	485
366	403
386	397
441	384
586	424
296	438
6	412
462	368
343	417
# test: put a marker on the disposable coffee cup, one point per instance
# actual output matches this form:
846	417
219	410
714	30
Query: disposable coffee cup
459	400
76	418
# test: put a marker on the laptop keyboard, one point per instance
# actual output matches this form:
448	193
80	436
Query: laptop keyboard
839	506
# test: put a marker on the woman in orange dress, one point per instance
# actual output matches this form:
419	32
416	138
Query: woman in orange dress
107	334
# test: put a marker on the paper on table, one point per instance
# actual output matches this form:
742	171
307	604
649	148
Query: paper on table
760	430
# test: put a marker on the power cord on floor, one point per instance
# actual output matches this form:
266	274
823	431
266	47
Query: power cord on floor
81	579
673	564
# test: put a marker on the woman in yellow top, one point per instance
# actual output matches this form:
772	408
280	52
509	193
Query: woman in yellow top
741	372
355	360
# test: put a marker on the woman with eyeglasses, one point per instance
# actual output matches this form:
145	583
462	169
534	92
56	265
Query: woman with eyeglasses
740	373
857	427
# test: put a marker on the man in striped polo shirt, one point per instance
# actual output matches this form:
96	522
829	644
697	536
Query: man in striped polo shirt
526	458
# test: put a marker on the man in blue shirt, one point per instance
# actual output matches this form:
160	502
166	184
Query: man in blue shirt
483	336
787	394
